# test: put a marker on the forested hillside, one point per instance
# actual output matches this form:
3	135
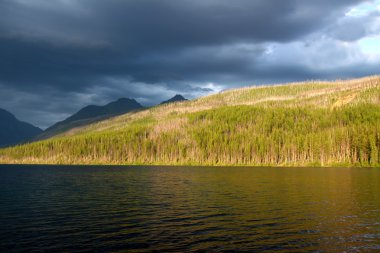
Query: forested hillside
300	124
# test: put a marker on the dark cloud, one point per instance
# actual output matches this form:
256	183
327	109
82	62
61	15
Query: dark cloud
64	54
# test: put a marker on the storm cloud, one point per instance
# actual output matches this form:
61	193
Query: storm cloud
59	55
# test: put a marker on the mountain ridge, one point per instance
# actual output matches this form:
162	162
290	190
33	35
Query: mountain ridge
91	114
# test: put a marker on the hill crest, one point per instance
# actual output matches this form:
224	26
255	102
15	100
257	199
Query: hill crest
304	124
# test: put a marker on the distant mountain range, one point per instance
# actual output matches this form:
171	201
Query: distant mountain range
176	98
14	131
91	114
120	106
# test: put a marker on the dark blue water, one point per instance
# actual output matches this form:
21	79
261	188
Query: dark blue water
180	209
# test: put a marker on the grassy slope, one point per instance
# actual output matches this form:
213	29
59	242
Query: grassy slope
314	123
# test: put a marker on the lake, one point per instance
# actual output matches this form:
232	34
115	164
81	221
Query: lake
188	209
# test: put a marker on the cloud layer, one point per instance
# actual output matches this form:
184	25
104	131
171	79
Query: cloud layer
59	55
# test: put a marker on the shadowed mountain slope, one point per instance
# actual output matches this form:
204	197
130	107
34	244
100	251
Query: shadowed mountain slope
14	131
91	114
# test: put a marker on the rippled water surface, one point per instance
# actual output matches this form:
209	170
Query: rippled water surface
144	209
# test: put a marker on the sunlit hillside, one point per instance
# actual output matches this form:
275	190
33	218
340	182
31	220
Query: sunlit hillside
309	124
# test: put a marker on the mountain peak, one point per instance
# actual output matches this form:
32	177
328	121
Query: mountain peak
124	101
120	106
93	113
176	98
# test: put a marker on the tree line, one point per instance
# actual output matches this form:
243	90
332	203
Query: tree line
230	135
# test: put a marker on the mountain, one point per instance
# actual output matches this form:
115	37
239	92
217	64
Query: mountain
14	131
176	98
314	123
91	114
121	106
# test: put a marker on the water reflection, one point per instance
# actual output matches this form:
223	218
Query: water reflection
189	209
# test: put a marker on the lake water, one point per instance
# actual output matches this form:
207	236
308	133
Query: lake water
177	209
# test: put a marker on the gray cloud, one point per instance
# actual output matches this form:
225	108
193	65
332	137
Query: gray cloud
57	56
352	28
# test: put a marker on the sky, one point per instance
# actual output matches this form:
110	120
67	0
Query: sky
57	56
